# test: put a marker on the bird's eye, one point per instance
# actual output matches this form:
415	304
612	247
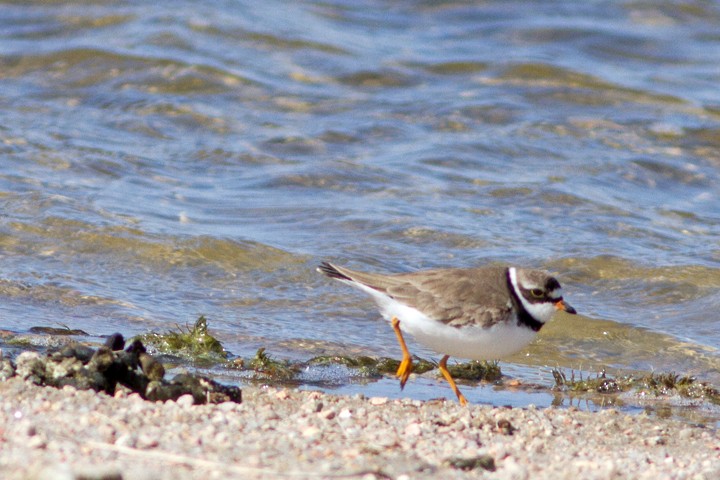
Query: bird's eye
536	292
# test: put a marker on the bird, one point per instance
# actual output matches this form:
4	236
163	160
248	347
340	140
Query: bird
478	313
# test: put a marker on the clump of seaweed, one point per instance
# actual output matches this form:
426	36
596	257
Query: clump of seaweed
476	370
684	385
600	384
366	366
371	367
389	366
195	342
267	368
375	367
656	384
350	362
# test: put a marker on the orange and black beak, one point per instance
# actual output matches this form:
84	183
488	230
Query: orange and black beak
564	306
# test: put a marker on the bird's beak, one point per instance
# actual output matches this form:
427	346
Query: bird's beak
564	306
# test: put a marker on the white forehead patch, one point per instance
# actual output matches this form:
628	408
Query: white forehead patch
513	277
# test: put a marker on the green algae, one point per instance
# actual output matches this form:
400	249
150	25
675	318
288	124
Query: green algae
19	341
655	384
194	343
361	361
476	370
378	366
372	367
266	367
601	383
684	385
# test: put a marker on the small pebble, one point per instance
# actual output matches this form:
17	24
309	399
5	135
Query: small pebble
282	395
413	430
185	401
328	414
310	432
97	473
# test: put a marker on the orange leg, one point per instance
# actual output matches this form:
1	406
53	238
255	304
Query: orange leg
445	373
406	364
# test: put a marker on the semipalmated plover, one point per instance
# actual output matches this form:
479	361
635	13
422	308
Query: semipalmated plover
483	313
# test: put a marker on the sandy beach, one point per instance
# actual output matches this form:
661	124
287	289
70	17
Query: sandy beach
285	433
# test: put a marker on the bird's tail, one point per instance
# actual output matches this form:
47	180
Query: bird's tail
331	271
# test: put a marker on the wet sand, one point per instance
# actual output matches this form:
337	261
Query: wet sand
283	433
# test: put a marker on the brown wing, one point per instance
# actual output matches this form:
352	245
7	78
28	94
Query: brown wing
457	297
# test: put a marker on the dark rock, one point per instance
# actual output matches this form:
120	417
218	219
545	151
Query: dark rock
115	342
77	351
505	427
102	359
151	367
56	331
486	462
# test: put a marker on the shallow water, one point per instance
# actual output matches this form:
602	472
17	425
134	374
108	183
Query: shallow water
160	161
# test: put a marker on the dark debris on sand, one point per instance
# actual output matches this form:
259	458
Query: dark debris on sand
110	365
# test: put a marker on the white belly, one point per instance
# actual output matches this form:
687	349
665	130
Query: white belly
474	343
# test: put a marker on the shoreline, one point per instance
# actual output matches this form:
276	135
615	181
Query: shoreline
289	433
680	396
